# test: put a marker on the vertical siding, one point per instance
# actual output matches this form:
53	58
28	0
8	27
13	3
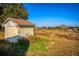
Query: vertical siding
26	31
10	23
11	31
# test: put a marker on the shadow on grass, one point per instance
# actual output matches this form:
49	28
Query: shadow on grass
14	49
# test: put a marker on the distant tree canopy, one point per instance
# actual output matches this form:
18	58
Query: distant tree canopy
13	10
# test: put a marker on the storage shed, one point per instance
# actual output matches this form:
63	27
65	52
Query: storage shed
15	28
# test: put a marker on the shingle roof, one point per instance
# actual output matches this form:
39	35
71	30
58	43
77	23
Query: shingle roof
21	22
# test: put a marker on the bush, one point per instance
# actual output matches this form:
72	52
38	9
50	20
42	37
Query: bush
14	49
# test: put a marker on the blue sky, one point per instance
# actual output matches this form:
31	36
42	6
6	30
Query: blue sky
53	14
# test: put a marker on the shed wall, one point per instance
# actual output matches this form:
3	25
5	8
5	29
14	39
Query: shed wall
11	31
26	31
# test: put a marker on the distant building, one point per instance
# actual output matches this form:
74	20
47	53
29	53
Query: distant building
16	28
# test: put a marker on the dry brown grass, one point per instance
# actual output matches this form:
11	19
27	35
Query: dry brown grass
58	42
53	43
1	35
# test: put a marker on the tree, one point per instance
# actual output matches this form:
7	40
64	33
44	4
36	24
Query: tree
12	10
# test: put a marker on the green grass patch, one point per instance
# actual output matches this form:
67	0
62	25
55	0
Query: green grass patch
38	43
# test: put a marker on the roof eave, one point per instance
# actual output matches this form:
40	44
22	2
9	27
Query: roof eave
25	25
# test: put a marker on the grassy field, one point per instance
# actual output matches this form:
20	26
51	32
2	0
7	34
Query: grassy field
45	43
54	43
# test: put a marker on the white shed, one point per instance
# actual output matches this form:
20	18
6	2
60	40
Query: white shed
15	28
